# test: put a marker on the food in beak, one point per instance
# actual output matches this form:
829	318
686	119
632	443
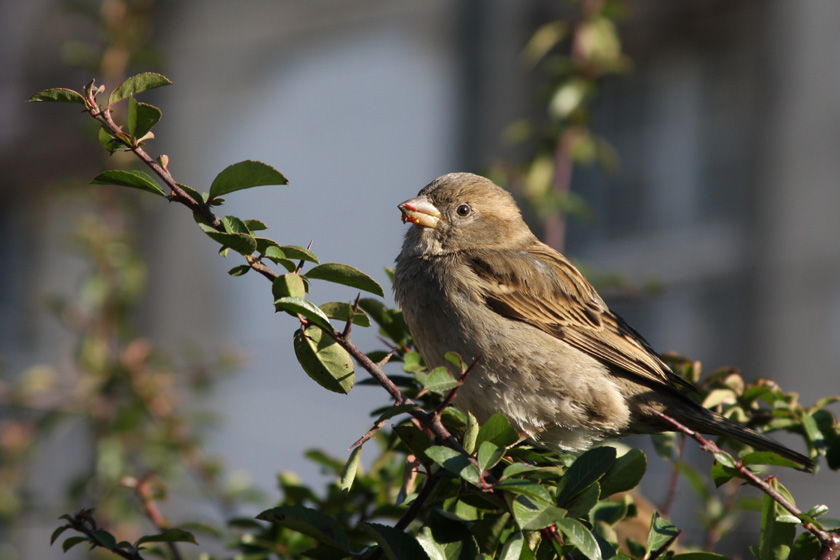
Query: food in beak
420	211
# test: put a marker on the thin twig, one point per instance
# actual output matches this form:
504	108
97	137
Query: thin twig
830	541
145	492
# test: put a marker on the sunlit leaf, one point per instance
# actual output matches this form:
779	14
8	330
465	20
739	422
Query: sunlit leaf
134	179
136	84
58	95
346	275
327	363
245	175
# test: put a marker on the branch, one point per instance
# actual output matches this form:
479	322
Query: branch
830	541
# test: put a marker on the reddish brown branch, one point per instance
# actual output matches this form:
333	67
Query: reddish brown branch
830	541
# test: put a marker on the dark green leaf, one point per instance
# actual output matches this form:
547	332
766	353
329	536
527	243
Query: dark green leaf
57	533
134	179
767	458
342	311
453	461
440	381
585	471
110	143
59	95
580	506
534	490
497	429
324	361
721	475
245	175
625	473
136	84
533	515
239	270
699	556
170	535
289	285
662	534
578	535
312	523
806	547
70	542
348	473
346	275
396	544
391	321
141	118
106	539
415	439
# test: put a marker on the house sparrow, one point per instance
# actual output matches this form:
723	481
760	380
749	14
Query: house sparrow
471	278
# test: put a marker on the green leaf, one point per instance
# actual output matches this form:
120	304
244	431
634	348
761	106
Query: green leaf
583	502
625	473
141	118
699	556
312	523
255	225
299	306
489	455
721	475
232	224
57	533
240	270
578	535
391	321
662	534
341	311
299	253
71	542
242	243
470	434
767	458
290	285
136	84
415	439
454	461
396	544
346	275
110	143
725	459
534	490
531	515
170	535
498	430
245	175
192	193
327	363
106	539
585	471
58	95
513	547
351	467
776	539
134	179
440	381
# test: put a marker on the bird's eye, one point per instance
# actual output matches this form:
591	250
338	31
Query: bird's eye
464	210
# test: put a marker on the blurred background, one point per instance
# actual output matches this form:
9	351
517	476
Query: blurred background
722	188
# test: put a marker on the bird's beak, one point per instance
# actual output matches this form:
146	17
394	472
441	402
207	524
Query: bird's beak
420	211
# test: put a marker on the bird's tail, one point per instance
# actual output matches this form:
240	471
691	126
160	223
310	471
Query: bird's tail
715	424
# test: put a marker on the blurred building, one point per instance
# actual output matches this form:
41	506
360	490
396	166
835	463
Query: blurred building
728	132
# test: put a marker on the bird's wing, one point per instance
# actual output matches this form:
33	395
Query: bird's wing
538	286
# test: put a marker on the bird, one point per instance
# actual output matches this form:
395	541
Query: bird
472	278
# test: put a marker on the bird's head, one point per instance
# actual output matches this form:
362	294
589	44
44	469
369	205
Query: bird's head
462	211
